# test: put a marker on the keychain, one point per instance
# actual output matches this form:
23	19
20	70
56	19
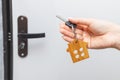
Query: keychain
77	48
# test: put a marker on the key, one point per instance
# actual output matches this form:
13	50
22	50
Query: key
77	48
68	23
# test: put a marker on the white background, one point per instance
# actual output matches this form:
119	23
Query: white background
47	58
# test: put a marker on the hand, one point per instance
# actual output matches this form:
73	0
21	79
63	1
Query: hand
97	33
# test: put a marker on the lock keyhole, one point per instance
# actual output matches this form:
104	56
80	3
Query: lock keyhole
22	45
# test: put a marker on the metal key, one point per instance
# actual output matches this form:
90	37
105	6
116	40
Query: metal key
69	24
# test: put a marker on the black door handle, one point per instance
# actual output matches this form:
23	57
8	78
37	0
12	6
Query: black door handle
23	36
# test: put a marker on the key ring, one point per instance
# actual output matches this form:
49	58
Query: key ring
73	30
75	34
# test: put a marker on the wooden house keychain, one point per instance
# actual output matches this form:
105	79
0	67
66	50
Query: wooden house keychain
77	48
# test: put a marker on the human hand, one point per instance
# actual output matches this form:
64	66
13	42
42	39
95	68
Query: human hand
97	33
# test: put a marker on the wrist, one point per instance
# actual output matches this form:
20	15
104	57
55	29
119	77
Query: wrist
117	41
117	37
117	44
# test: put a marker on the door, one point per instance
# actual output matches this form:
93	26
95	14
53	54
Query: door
47	58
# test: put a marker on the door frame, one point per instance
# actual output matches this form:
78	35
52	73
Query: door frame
7	39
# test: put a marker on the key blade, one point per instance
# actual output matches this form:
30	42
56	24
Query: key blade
61	18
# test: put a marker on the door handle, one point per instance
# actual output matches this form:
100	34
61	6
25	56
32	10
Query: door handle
23	36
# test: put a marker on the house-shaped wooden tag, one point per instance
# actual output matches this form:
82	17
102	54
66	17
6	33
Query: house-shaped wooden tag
78	50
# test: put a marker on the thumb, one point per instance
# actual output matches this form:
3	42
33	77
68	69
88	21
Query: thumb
81	21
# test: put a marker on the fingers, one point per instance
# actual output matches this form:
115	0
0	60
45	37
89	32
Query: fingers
63	26
68	34
66	31
68	39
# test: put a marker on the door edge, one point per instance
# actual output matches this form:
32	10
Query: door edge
7	39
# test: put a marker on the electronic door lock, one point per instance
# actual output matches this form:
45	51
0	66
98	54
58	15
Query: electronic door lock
23	36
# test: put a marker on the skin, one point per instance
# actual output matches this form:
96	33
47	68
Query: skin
98	34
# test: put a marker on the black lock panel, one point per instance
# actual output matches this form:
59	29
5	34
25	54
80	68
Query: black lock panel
22	42
23	36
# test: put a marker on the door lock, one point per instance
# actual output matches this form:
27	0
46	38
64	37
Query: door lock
22	45
23	36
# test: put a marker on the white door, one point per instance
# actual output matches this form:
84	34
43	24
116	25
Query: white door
47	58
